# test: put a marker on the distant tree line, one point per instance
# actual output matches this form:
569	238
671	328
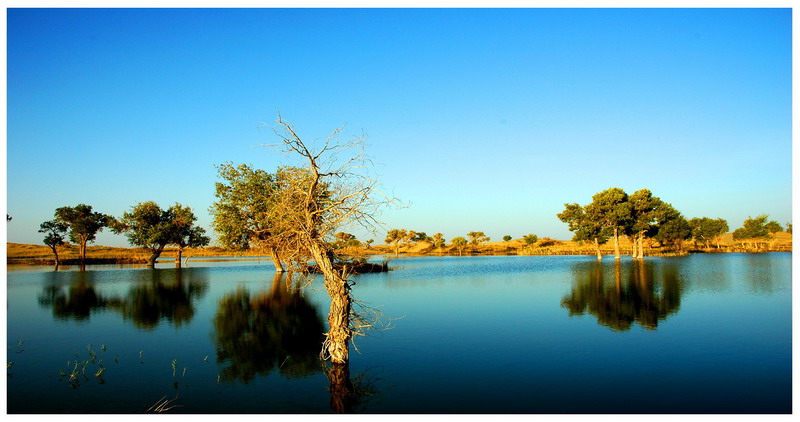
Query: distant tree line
643	217
146	225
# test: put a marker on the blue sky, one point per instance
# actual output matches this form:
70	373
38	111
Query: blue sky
478	119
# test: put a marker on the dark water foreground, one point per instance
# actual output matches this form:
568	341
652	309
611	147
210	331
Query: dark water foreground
512	334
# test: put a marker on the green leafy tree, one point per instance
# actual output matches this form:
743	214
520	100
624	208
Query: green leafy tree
394	237
674	232
753	228
507	238
476	238
187	235
789	228
55	232
410	237
149	226
584	229
420	237
346	240
244	213
773	227
437	240
611	210
645	209
83	223
707	230
459	243
530	239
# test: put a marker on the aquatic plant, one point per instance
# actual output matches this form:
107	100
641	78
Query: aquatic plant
162	403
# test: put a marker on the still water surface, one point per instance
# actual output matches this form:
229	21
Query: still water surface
511	334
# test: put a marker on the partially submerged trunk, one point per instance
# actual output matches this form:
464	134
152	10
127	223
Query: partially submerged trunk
597	248
337	340
55	252
276	259
155	253
616	243
178	257
641	246
82	252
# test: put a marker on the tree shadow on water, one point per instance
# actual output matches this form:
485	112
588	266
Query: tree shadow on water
155	295
256	333
278	329
624	295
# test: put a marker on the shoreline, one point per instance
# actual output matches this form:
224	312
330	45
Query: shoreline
134	260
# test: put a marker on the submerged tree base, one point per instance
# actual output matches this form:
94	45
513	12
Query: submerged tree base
355	266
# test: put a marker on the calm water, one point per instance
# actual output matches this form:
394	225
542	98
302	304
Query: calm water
698	334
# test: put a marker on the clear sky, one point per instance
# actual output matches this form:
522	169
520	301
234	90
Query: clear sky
481	120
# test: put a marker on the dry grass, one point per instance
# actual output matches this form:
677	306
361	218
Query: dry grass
545	246
18	253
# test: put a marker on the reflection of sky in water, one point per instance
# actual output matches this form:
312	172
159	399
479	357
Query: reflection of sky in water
470	334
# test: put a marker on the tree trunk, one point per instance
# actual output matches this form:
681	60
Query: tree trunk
616	243
597	248
641	246
151	261
55	252
276	259
178	257
338	335
396	250
83	253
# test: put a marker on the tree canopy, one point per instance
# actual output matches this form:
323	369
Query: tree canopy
394	237
83	223
612	211
149	226
55	232
459	243
754	228
706	229
476	238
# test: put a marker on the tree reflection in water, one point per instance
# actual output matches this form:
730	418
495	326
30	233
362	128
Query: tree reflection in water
155	295
279	328
162	294
79	300
276	329
631	294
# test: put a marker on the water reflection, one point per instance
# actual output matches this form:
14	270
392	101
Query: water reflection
156	295
77	301
256	333
622	294
163	295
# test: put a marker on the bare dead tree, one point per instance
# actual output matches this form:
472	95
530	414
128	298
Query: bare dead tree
331	191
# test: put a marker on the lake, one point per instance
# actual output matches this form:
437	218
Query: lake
705	333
